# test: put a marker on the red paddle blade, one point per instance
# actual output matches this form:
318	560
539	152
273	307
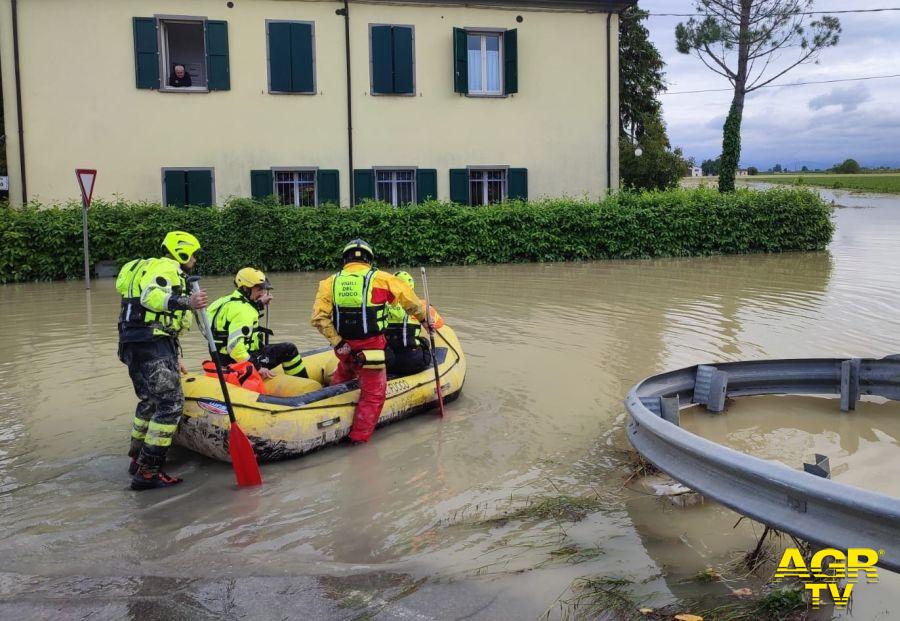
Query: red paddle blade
243	459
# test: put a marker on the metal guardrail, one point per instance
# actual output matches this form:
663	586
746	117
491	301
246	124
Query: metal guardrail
807	506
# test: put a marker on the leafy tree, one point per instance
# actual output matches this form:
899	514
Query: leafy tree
658	167
804	169
711	167
640	75
777	168
752	171
744	41
848	167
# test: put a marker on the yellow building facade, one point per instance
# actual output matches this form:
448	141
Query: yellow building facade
473	103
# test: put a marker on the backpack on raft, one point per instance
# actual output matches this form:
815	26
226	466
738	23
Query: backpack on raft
242	374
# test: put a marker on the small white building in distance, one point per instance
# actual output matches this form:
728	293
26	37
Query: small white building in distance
696	171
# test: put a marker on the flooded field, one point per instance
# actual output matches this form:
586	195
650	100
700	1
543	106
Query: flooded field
452	518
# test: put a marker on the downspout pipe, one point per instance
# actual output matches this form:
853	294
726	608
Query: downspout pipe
15	36
609	119
346	13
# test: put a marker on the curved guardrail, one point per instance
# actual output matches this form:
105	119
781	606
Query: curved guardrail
817	509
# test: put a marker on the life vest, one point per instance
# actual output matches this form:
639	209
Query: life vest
402	330
136	321
242	374
354	315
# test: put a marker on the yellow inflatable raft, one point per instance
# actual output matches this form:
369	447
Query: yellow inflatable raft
297	416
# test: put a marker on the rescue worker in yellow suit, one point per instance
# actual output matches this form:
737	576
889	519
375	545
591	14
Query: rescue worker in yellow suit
234	320
407	351
156	309
351	312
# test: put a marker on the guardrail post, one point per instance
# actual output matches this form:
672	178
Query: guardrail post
849	384
718	389
670	409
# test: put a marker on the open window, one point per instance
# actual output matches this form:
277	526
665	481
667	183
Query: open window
300	187
485	62
488	185
181	54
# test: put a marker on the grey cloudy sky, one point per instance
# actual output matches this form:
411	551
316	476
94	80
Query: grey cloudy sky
814	125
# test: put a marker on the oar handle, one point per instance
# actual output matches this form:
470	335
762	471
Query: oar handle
203	322
430	327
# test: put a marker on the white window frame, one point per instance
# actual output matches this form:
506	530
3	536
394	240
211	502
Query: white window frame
315	63
394	182
162	43
212	179
484	182
484	33
298	169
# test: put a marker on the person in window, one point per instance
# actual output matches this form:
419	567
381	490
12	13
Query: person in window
179	78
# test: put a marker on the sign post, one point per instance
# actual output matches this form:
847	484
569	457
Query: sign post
86	177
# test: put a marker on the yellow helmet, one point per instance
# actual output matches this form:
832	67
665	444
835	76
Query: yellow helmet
250	277
182	246
407	278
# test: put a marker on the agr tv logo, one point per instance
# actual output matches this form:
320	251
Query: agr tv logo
826	568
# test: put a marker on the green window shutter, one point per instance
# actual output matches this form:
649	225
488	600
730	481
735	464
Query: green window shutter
199	188
459	185
280	57
426	185
302	70
517	184
511	61
363	184
176	188
261	183
460	61
328	184
403	60
217	70
146	52
382	60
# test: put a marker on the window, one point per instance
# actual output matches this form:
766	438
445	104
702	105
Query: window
181	54
397	187
487	186
485	64
392	64
296	187
291	57
188	186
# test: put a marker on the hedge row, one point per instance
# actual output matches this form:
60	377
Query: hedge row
45	244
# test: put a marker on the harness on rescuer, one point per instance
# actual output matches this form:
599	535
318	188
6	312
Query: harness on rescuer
136	321
354	314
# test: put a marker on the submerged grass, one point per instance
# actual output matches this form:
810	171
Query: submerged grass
561	508
887	183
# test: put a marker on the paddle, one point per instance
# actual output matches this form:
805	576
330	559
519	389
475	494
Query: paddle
434	362
243	459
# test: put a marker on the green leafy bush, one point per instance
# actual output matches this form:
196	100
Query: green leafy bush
45	244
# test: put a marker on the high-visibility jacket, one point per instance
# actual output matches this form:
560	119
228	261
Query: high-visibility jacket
154	300
361	291
234	320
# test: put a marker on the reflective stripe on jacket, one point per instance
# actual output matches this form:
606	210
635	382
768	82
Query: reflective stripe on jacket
154	301
235	326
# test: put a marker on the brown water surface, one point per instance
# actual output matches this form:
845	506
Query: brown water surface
400	528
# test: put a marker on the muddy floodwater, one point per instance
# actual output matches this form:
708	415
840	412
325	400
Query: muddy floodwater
412	525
